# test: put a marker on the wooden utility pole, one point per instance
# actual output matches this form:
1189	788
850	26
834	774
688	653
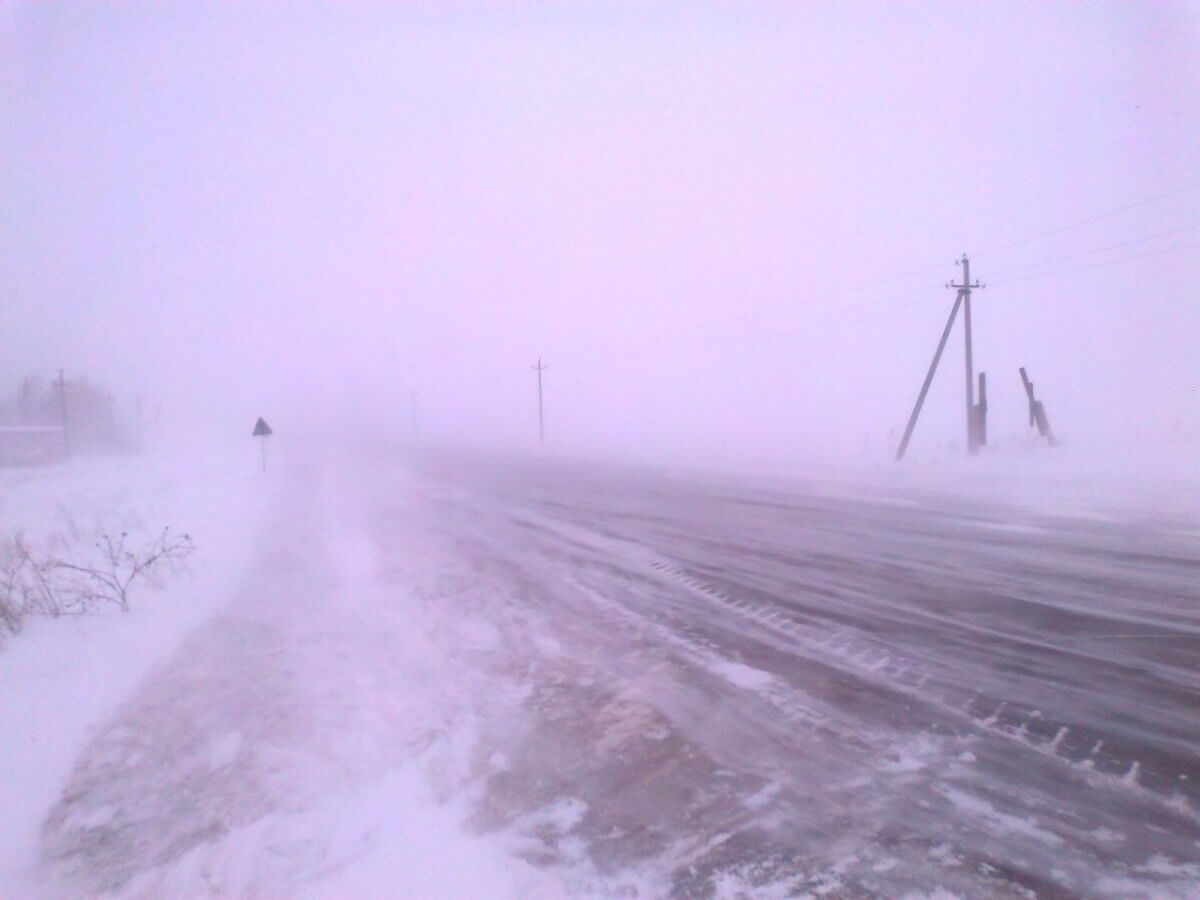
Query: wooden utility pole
975	426
539	368
964	290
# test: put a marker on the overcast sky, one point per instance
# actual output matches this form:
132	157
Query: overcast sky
724	226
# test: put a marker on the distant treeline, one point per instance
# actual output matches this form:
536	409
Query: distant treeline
46	418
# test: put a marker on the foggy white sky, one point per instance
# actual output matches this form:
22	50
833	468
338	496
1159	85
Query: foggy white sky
723	227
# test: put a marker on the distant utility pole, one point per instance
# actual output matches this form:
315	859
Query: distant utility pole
62	403
539	368
976	428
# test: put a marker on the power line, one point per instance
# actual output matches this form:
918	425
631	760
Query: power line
778	311
778	327
781	322
1079	223
1100	264
784	317
707	338
787	327
1057	259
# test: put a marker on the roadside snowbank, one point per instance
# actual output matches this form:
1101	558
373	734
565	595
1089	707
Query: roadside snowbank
285	723
60	677
1101	481
1095	481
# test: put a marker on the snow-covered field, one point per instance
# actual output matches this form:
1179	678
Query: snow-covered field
269	724
447	676
61	678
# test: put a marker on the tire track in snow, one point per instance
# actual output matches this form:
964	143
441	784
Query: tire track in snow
1176	788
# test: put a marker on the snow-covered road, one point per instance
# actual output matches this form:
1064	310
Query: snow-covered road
626	682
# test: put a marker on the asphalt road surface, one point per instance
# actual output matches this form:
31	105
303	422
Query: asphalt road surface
689	685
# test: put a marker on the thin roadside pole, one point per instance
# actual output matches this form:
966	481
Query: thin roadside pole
540	368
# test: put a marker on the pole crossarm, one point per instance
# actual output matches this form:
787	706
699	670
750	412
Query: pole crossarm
967	283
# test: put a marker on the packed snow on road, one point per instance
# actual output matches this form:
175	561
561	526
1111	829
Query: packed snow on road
456	676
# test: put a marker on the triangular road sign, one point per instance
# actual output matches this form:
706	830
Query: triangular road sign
261	428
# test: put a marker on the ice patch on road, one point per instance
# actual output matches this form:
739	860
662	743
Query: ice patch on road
546	836
561	816
1008	823
911	756
624	719
743	676
1158	864
763	797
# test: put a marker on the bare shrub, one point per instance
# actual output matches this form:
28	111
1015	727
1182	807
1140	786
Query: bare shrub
13	603
70	578
119	567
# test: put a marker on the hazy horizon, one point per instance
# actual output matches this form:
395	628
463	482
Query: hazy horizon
708	638
724	228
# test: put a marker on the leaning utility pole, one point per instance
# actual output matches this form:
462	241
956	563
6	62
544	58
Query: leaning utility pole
964	290
937	356
539	368
1037	412
975	426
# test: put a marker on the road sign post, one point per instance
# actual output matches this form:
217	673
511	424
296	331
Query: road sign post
262	431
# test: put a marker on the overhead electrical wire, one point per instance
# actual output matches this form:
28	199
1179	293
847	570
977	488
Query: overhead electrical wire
1105	262
1003	273
793	315
783	320
783	306
1096	217
787	327
781	326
